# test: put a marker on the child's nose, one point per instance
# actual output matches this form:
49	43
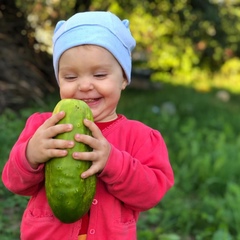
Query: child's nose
85	84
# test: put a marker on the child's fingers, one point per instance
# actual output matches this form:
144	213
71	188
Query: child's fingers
85	156
59	144
88	140
91	171
54	119
59	128
96	167
55	153
53	129
96	132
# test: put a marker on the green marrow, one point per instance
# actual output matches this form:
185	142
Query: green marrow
68	195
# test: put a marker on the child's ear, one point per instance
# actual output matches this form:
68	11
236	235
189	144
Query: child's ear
124	83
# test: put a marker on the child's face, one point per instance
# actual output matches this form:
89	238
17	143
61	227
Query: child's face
91	73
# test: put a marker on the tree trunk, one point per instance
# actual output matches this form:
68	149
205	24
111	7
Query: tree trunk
26	76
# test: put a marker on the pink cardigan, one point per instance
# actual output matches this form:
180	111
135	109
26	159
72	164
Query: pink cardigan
136	177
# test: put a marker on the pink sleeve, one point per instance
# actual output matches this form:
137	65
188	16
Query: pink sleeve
17	175
141	180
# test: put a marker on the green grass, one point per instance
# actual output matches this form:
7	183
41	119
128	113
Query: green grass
202	135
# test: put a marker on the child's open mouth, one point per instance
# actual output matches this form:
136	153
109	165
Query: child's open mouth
91	101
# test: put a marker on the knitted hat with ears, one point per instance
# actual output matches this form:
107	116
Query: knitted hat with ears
99	28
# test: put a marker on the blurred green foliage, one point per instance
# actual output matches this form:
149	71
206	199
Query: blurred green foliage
186	42
191	43
202	134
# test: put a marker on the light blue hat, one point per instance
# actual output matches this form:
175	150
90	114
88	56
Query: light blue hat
98	28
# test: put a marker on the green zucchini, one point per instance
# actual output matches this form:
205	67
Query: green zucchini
68	195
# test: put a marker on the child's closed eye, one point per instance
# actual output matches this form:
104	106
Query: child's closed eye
100	75
70	77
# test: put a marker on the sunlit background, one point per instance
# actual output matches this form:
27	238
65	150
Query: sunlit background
185	83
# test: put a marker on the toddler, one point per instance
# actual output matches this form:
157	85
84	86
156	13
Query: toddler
92	62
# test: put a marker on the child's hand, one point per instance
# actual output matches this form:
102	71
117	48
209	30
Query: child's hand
99	144
42	146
